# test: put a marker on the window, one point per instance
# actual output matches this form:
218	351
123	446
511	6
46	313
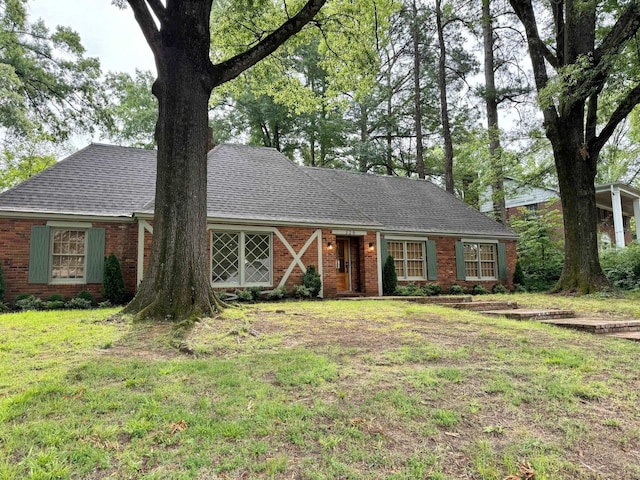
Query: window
409	258
480	261
240	259
68	255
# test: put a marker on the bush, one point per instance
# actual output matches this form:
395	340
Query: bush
389	276
29	302
22	296
518	275
79	303
84	295
312	281
256	293
112	281
2	285
622	266
409	290
56	297
244	295
54	304
432	289
277	293
105	304
456	289
302	291
499	288
479	290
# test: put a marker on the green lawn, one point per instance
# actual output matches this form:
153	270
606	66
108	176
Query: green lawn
318	390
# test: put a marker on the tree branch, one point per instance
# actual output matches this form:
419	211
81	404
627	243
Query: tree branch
159	10
231	68
147	25
524	11
624	108
538	52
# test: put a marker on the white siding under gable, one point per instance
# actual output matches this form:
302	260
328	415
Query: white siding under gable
519	196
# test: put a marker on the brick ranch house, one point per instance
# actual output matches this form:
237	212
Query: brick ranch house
268	219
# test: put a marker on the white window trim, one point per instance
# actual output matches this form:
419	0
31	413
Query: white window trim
422	241
241	258
495	260
62	226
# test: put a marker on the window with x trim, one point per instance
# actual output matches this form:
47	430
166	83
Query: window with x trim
241	259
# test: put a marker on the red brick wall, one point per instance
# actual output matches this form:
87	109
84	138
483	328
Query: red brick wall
446	264
120	238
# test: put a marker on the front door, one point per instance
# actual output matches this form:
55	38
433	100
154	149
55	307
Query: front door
343	267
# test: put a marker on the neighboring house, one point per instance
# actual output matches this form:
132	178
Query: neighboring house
616	204
268	219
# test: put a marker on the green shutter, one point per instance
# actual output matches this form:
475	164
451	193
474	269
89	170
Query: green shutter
502	261
384	251
461	271
39	254
432	264
95	255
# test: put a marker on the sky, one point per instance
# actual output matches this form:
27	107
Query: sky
107	32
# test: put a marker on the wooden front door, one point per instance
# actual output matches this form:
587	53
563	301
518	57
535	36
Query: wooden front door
343	266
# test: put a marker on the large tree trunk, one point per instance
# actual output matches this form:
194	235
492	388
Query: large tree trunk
577	168
177	284
495	150
444	108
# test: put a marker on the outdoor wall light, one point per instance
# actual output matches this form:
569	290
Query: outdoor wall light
330	246
371	246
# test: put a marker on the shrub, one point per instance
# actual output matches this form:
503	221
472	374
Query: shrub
22	296
302	291
79	303
29	303
622	266
112	281
409	290
402	291
105	304
54	304
244	295
456	289
312	281
518	275
389	276
2	285
499	288
256	293
84	295
540	250
432	289
277	293
56	297
479	290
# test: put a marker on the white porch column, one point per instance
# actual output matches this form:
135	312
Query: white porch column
618	225
636	215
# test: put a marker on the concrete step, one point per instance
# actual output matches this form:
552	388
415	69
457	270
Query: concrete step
480	306
446	299
634	336
530	314
597	325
